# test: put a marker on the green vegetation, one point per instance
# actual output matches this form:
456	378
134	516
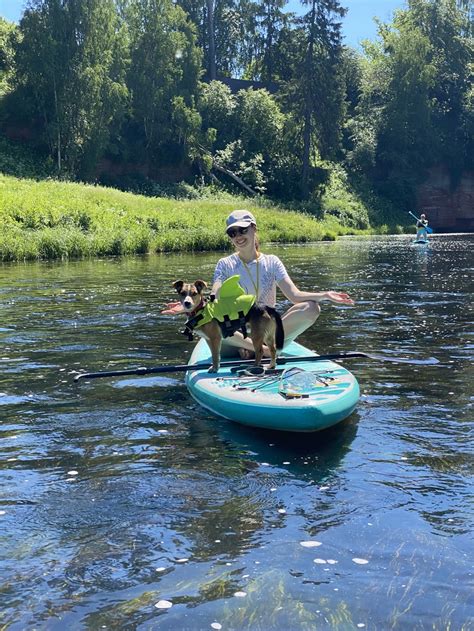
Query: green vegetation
16	159
133	94
51	220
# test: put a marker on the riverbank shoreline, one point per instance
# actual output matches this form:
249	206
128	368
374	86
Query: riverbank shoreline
50	220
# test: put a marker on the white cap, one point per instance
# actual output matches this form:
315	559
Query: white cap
240	219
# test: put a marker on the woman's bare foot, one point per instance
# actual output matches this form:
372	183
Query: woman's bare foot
244	353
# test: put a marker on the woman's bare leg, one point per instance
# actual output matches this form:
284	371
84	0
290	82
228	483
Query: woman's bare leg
296	320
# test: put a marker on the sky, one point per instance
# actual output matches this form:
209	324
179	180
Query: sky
357	25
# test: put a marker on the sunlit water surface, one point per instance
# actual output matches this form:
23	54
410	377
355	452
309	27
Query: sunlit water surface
119	494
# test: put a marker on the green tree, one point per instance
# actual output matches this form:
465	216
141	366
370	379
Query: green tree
351	73
272	19
71	58
406	135
201	14
238	37
219	26
414	110
248	130
259	122
315	92
231	20
287	57
447	28
8	37
264	23
217	107
164	74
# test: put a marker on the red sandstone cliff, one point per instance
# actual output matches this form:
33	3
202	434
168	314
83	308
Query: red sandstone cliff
447	210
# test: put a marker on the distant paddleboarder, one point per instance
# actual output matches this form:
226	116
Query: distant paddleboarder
422	229
421	225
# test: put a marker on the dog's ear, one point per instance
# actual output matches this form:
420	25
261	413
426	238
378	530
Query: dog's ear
200	285
178	285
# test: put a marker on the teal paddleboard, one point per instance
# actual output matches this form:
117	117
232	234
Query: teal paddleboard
318	395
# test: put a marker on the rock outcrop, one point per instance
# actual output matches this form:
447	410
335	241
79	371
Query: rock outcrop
448	208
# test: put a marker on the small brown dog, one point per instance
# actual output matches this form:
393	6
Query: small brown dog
265	325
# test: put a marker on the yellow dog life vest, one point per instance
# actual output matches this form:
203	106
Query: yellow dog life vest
230	310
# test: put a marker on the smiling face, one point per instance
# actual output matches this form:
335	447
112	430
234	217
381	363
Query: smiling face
242	238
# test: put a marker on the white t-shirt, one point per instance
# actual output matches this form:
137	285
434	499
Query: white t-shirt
270	271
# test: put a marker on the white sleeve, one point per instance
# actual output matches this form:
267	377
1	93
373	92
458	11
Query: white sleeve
279	270
221	272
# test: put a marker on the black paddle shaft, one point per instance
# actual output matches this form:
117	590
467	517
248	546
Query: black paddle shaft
280	360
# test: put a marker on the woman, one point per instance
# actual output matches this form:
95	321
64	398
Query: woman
260	275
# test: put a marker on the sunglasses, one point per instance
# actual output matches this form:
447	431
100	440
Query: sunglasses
233	232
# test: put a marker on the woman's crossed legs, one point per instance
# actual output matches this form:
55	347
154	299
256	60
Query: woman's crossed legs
296	320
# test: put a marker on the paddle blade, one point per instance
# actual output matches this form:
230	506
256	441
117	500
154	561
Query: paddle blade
133	371
354	354
428	361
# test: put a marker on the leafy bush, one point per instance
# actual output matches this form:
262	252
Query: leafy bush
21	161
259	121
142	185
339	201
217	108
246	165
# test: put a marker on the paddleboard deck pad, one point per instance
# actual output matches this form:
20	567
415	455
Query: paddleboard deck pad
305	396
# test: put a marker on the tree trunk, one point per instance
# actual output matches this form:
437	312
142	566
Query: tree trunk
58	127
306	154
268	56
235	177
211	40
308	107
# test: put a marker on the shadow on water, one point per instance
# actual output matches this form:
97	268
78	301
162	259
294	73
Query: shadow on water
311	457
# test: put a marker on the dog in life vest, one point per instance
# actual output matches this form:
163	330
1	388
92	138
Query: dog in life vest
233	311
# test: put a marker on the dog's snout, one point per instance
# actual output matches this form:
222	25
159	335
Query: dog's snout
187	303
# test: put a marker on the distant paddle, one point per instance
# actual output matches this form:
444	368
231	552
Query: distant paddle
427	228
281	360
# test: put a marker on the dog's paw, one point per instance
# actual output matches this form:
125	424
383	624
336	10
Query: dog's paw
213	370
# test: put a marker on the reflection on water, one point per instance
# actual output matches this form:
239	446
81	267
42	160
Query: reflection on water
121	493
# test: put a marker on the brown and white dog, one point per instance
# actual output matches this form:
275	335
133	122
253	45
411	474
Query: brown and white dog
264	324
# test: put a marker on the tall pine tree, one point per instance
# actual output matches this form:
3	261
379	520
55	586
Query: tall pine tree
316	90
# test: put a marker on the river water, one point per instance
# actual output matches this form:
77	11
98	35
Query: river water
121	494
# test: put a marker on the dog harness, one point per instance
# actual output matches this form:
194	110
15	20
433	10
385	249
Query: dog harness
231	310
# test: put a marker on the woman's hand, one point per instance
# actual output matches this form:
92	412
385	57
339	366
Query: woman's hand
172	308
295	296
339	298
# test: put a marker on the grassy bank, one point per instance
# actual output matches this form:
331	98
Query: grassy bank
51	219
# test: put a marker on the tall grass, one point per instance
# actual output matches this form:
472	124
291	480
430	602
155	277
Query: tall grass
54	220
